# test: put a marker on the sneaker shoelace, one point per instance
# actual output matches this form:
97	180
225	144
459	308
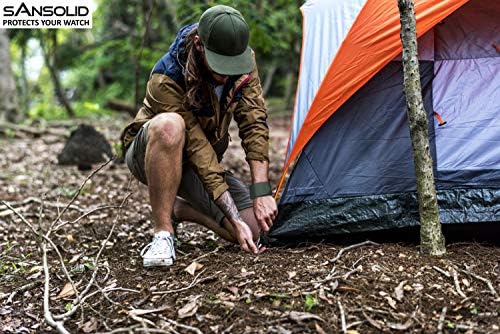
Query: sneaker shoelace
156	246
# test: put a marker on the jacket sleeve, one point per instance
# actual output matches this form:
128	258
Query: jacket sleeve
164	95
251	116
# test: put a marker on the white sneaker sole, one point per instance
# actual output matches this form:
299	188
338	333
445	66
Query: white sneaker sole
157	262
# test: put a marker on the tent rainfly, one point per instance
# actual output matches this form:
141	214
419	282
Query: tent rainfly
350	144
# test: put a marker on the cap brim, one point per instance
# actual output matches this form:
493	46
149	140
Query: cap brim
230	65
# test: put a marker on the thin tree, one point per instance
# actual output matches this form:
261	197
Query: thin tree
9	106
48	45
431	236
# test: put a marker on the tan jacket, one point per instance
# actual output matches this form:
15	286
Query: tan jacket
207	137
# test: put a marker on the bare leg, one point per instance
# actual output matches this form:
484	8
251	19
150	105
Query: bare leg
163	164
184	211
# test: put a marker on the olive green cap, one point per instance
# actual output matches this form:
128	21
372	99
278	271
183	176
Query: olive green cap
224	34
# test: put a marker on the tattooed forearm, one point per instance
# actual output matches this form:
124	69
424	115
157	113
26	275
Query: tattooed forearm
226	204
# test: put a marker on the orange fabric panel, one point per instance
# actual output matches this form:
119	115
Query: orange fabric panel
372	42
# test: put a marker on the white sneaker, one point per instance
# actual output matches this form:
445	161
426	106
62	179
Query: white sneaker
160	252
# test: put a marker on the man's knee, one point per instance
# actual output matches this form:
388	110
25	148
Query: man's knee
168	129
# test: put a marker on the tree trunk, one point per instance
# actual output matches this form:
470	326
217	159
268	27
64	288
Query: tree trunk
431	237
24	80
50	61
145	38
9	107
269	78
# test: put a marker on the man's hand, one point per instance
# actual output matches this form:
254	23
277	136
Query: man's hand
244	236
265	211
243	233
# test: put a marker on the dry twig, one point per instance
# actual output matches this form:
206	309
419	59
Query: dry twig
23	288
57	321
342	317
457	284
179	325
444	272
75	196
373	322
193	283
343	250
482	279
441	320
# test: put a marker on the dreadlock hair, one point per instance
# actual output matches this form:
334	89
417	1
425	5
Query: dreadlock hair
197	91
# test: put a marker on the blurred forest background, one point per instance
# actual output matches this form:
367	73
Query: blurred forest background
67	73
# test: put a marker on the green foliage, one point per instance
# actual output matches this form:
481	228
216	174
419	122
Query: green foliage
450	324
101	64
310	302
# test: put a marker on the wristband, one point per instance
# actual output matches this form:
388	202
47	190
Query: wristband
260	189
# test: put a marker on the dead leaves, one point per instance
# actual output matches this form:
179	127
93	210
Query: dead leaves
399	291
193	267
300	317
189	309
90	326
67	291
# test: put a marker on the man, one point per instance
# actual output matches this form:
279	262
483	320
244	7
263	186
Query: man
176	141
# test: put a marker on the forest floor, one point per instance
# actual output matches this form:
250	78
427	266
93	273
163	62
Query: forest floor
213	287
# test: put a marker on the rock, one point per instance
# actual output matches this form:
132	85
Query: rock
85	146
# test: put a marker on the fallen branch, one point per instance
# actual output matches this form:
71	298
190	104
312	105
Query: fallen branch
75	196
193	283
142	312
29	200
86	214
355	270
441	320
342	317
372	322
207	254
444	272
21	289
58	325
343	250
57	321
78	300
35	132
482	279
186	327
457	284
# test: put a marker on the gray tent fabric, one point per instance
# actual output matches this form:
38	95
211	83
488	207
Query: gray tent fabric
357	172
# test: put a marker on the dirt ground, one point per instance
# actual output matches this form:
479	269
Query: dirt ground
213	286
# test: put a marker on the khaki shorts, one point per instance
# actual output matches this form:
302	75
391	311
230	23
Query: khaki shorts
191	188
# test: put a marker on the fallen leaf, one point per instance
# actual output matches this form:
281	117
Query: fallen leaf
279	330
401	327
302	316
189	309
75	258
391	302
193	267
373	322
36	269
319	329
90	326
233	290
67	291
399	291
334	285
70	238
